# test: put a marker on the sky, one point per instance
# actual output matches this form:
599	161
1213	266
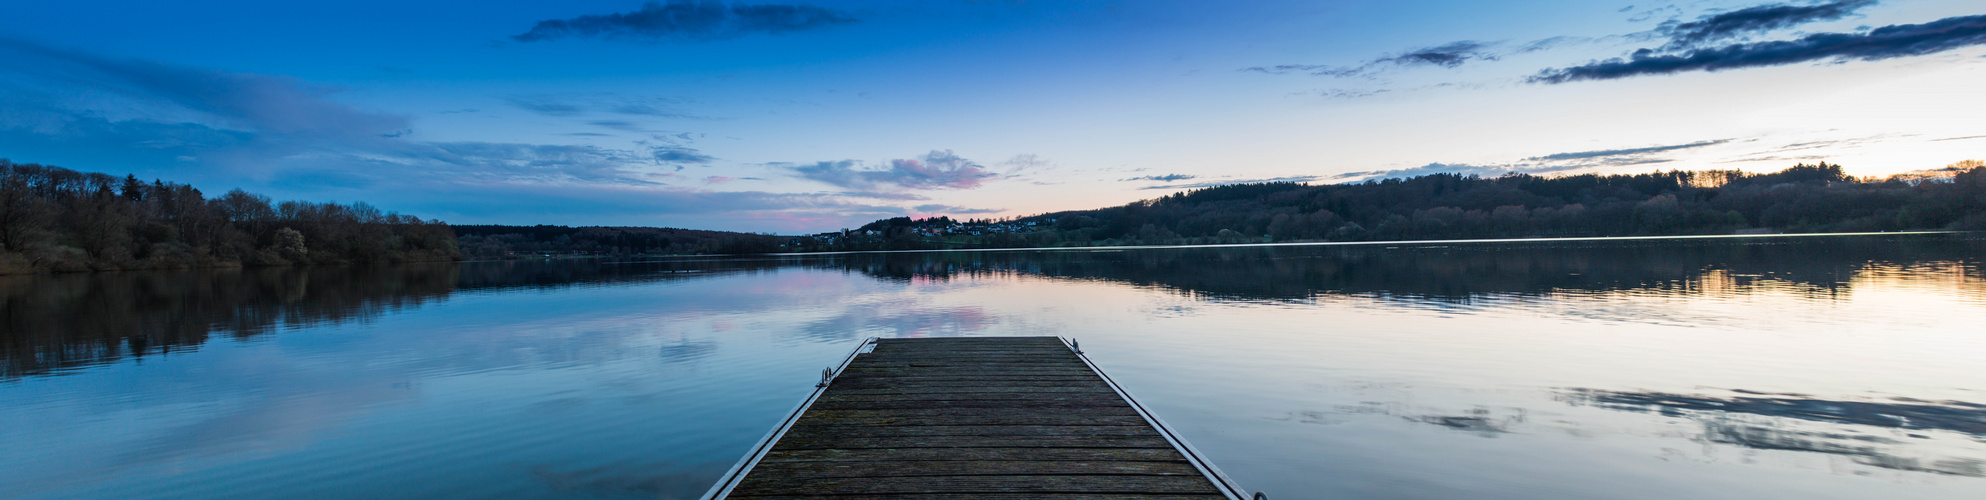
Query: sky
805	117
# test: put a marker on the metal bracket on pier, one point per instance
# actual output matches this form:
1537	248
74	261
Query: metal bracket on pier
827	375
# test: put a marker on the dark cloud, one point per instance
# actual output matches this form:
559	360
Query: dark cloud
454	162
278	127
676	137
288	138
1551	43
1448	55
677	155
1711	42
1645	14
689	20
1162	178
621	125
545	105
1280	69
1756	19
1903	40
575	105
936	170
1584	155
654	106
264	104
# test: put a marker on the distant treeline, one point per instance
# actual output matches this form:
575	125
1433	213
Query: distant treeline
57	219
505	242
1801	199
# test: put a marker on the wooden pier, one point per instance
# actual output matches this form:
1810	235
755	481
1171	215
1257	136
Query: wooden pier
985	417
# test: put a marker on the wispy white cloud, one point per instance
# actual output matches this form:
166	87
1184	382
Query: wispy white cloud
934	170
1225	182
1556	162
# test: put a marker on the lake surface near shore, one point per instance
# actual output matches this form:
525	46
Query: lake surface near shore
1813	367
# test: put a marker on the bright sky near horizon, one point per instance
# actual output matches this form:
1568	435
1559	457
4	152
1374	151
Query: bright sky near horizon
812	116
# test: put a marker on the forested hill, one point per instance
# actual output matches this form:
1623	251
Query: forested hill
504	242
57	219
1804	198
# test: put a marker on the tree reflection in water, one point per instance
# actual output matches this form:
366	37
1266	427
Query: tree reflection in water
57	322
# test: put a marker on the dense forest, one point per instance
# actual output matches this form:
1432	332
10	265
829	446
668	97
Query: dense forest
1801	199
57	219
509	242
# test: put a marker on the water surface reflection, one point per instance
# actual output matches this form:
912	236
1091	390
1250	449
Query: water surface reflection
1823	367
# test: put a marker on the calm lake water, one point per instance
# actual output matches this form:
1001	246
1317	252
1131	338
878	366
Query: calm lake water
1817	367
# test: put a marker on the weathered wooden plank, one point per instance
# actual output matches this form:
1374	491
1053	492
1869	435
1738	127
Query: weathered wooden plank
886	354
1069	420
987	496
963	371
901	348
772	485
1090	413
974	467
1088	454
962	340
811	429
966	418
969	388
962	354
1068	404
987	364
944	351
1033	350
982	381
1014	396
927	386
904	442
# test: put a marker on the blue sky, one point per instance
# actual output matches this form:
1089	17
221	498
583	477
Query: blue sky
813	116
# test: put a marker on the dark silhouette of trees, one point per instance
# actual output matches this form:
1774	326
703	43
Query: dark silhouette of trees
56	219
507	242
1801	199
